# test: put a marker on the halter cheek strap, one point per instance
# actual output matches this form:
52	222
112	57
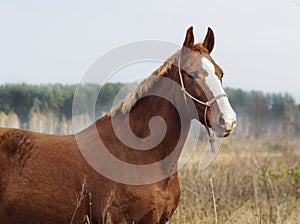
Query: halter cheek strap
207	104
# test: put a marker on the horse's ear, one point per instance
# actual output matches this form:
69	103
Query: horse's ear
209	40
189	38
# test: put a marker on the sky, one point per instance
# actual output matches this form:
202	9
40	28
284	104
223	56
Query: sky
257	41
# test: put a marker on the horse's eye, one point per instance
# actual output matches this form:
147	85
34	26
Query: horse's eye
194	75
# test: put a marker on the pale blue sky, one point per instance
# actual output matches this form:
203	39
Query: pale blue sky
257	41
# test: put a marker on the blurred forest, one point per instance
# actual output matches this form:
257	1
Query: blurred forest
48	108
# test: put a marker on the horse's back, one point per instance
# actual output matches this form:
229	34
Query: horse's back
17	146
12	141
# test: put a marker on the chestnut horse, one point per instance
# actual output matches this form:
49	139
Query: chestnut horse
46	179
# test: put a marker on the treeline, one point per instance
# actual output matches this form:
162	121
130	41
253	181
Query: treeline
48	108
264	114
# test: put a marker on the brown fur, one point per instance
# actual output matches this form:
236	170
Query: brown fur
41	176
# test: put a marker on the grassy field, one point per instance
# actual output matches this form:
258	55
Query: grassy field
250	181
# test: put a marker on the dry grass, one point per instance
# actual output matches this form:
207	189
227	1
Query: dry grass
80	198
253	182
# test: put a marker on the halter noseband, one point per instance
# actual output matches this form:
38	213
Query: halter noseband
207	104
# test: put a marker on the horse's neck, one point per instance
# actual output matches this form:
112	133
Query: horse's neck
168	119
139	121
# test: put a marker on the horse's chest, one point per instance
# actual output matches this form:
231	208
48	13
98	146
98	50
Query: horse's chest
151	203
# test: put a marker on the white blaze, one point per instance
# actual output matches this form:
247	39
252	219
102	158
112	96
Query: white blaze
214	84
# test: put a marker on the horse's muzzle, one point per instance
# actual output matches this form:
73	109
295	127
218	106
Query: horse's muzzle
225	126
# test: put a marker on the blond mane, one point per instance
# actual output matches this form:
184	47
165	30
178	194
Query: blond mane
128	103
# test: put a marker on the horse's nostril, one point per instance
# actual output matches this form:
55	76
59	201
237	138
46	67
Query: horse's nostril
221	121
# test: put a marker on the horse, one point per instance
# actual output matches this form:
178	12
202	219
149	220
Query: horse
47	179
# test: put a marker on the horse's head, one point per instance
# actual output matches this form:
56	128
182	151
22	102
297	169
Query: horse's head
201	80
